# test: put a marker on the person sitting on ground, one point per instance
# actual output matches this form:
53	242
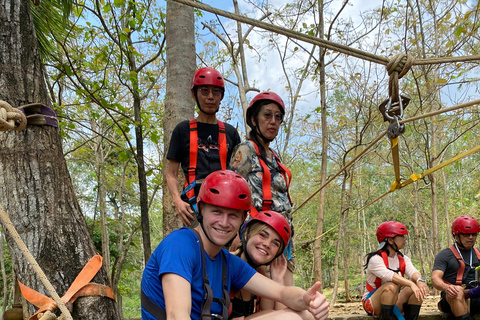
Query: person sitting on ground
386	269
454	267
190	275
268	178
263	241
206	141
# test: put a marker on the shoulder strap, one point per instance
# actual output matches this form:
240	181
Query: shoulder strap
266	181
209	298
192	163
477	252
222	144
461	269
401	261
287	174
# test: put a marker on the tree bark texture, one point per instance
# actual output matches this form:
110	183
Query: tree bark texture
179	104
35	187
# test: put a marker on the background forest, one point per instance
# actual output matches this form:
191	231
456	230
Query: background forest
106	69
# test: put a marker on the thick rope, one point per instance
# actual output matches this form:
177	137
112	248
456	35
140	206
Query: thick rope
26	253
320	42
11	118
397	67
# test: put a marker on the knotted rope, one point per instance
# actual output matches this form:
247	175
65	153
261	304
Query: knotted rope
397	67
29	257
11	118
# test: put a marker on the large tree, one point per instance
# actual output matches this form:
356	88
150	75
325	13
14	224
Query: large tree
35	185
179	105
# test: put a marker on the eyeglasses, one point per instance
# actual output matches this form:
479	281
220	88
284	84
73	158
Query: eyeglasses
268	116
468	235
216	92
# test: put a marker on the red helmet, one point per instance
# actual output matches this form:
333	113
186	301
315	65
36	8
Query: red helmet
207	77
465	224
225	188
267	95
276	221
390	229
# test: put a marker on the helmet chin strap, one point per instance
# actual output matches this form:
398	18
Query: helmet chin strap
200	108
458	242
260	134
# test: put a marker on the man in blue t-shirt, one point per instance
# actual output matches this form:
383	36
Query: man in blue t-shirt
173	284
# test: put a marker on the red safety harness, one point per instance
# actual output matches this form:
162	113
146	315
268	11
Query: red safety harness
461	270
267	180
378	281
222	142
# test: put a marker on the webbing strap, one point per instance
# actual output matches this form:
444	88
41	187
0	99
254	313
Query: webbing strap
267	180
152	308
222	144
396	158
81	286
208	298
439	166
414	177
461	269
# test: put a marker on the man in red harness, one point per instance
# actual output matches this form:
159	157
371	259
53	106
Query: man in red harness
454	267
200	146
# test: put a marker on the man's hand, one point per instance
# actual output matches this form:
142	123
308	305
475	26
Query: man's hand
316	302
452	290
184	210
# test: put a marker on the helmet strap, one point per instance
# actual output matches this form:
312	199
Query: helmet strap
459	242
198	104
260	134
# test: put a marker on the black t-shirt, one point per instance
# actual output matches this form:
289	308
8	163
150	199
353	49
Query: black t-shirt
445	261
208	157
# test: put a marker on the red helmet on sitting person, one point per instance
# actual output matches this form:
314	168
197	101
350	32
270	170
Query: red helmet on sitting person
276	221
390	229
465	224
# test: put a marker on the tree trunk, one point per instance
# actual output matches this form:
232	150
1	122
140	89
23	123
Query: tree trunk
418	239
445	205
341	234
35	187
317	252
179	105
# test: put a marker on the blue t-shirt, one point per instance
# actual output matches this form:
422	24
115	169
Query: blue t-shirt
179	253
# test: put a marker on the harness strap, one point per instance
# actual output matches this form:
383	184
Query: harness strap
378	280
267	180
80	287
222	142
461	269
209	298
154	309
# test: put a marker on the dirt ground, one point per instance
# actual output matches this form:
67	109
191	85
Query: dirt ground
429	305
